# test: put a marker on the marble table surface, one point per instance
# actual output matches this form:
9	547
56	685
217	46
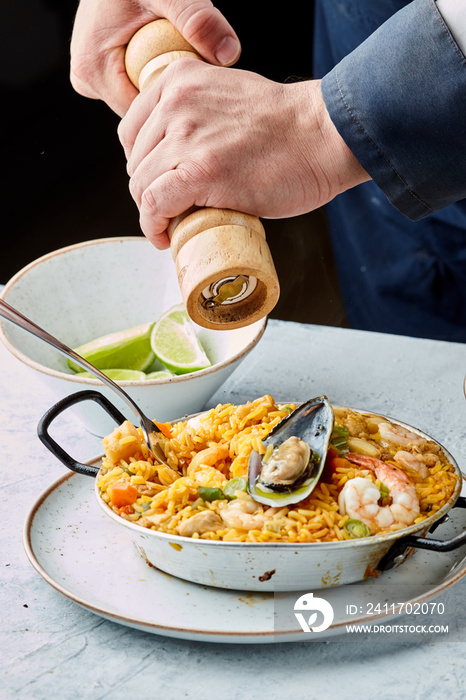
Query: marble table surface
51	646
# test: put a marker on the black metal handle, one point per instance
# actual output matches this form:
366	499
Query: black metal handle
59	407
397	552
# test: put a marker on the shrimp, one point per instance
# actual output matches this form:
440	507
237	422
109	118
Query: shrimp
195	422
410	461
209	456
246	514
359	496
201	466
398	435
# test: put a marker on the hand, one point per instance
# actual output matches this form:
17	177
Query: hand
103	29
208	136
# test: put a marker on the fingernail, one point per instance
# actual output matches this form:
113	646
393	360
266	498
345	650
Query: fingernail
227	51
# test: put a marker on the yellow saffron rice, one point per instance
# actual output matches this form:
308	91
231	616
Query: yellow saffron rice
213	448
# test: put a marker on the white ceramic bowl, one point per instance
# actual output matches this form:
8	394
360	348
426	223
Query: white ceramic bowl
87	290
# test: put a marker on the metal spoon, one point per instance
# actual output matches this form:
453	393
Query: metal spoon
150	431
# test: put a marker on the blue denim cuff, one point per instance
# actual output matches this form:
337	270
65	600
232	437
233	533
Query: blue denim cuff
399	103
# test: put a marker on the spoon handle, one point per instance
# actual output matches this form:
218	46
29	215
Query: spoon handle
26	324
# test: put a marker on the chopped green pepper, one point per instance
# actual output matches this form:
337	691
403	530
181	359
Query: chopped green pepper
238	483
356	528
130	473
207	493
146	505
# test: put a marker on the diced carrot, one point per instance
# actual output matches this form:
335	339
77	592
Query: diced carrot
165	429
340	462
123	494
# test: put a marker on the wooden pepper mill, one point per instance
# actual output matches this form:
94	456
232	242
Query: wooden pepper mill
224	266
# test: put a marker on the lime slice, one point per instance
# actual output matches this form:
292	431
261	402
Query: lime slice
175	343
238	483
119	375
129	349
160	374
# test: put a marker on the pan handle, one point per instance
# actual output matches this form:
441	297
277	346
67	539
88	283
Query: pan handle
59	407
397	552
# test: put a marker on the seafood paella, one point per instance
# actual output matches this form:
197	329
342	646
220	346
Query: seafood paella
269	472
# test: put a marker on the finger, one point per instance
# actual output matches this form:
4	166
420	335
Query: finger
205	28
161	160
140	123
119	95
160	241
111	83
166	197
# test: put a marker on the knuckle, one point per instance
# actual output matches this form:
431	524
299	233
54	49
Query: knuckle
123	135
78	69
135	190
201	25
80	84
186	14
82	72
180	92
148	200
185	127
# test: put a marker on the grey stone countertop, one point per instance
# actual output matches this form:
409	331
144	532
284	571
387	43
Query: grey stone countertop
51	647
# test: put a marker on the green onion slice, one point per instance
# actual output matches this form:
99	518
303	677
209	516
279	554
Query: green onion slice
356	528
340	443
338	439
384	491
340	431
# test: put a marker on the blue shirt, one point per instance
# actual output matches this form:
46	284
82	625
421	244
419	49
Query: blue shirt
395	87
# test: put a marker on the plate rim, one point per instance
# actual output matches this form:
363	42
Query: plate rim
207	635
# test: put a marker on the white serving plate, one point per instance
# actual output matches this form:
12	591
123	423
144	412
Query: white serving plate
91	560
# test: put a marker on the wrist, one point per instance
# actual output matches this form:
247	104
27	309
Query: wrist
335	165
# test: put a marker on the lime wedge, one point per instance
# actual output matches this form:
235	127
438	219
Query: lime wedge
129	349
119	375
160	374
175	343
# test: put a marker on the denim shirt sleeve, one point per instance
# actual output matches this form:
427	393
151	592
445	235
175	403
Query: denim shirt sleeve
399	103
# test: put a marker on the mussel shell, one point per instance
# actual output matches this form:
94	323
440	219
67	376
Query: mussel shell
312	422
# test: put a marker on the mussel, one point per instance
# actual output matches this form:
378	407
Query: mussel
295	455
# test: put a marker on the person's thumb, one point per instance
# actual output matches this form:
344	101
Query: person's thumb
206	29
